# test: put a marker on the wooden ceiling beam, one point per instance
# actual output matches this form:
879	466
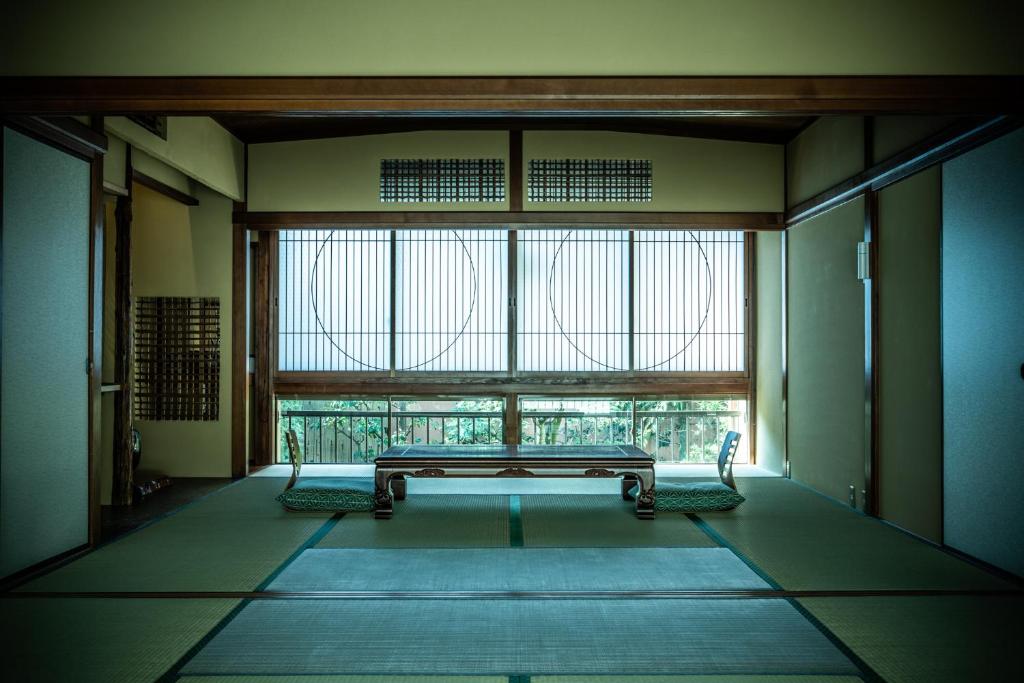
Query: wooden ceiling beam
810	95
257	129
648	220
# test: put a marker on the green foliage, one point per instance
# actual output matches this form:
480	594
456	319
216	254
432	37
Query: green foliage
359	432
354	437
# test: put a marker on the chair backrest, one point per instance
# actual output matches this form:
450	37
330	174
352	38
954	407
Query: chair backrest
295	454
725	458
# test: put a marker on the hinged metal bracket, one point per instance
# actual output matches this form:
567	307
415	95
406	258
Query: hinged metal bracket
863	260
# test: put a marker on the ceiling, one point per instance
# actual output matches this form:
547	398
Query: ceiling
259	128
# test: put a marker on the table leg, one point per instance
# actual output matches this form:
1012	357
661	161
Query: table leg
628	482
382	500
398	487
645	497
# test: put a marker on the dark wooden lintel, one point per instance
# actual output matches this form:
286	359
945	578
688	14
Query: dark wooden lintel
164	189
668	220
64	131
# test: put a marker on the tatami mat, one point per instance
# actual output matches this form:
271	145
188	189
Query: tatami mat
929	639
603	522
230	540
428	521
696	679
300	678
533	679
237	537
517	569
495	637
107	641
805	541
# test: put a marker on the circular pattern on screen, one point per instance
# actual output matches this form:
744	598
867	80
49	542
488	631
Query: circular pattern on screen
465	260
573	280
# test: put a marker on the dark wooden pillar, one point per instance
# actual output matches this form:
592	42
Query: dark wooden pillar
95	348
239	348
515	170
121	494
512	420
262	394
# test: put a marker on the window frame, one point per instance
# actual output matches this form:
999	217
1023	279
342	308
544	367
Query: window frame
512	383
512	332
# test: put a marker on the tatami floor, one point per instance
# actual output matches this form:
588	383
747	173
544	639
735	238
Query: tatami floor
516	581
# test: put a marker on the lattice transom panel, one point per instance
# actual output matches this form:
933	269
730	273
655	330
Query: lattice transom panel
442	180
589	180
177	358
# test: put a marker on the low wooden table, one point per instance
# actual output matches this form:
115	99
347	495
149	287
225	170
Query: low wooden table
628	462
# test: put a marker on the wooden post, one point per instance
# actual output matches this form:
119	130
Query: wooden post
263	432
515	170
512	435
124	343
239	350
94	358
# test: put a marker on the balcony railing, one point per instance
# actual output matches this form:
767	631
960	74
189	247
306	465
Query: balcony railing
680	436
670	436
688	436
328	436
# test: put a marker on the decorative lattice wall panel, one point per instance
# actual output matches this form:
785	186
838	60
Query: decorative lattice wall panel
177	358
442	180
589	180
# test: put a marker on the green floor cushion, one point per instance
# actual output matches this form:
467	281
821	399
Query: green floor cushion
336	494
703	496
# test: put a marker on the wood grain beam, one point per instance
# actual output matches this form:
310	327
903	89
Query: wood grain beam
651	220
809	95
311	384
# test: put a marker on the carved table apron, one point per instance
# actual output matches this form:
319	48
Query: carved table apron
399	462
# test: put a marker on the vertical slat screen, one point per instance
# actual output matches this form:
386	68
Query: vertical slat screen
573	300
452	293
333	300
690	301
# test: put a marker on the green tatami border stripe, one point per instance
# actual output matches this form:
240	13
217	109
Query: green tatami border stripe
515	521
720	540
867	673
307	544
172	674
